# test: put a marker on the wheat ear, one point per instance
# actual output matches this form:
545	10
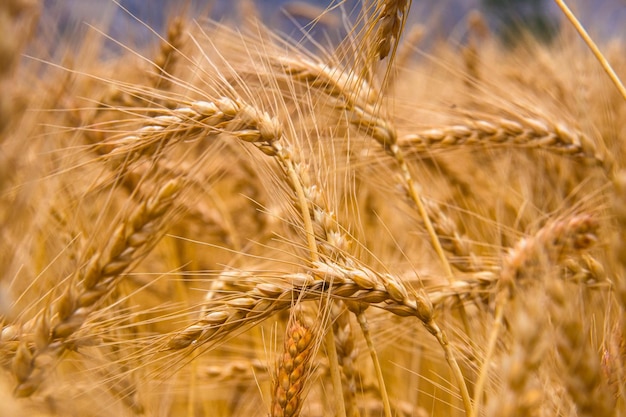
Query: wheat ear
165	61
524	132
583	376
294	369
477	31
547	248
193	120
225	315
325	279
52	328
520	395
382	35
390	16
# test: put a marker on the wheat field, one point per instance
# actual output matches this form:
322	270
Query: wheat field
226	222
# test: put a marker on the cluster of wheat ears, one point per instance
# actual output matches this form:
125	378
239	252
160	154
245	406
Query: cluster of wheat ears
233	224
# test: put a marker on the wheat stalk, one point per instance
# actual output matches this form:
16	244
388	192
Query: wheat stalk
592	45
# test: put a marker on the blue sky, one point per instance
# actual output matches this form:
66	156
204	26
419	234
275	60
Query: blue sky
605	18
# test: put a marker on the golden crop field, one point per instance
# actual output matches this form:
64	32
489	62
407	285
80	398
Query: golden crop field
229	222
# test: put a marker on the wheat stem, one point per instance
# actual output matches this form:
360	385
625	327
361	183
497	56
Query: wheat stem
592	45
335	372
379	372
417	199
441	337
479	386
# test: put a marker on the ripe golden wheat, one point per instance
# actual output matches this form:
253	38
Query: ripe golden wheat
237	225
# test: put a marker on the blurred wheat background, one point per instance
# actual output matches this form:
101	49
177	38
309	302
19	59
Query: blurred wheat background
376	208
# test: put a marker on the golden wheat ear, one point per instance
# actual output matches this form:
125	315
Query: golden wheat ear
293	370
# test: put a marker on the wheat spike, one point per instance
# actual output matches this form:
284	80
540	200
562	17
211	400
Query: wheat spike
293	371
